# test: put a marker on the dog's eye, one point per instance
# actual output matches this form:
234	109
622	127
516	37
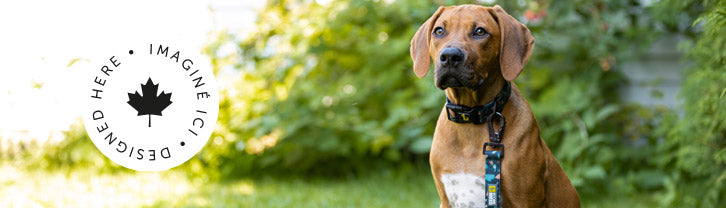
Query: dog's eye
480	31
439	31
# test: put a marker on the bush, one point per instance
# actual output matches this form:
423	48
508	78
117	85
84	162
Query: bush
695	149
328	87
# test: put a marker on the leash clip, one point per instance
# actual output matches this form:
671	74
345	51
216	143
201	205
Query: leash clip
496	136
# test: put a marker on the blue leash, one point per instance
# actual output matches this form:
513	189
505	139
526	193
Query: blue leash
493	174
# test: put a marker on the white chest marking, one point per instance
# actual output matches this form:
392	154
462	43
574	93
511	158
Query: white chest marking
464	189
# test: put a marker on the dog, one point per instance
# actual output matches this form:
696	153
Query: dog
478	51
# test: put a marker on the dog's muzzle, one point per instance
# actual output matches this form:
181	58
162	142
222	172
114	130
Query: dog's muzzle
452	72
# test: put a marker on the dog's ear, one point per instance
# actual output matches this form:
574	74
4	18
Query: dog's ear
420	45
516	46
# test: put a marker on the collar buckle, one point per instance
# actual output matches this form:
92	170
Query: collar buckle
463	114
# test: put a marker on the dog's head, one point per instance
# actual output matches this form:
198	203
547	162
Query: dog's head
471	45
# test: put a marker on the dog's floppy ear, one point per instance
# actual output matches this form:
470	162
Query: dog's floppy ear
420	45
516	46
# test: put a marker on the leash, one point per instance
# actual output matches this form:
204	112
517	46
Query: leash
488	113
493	166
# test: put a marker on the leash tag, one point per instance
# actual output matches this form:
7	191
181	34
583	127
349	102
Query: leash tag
492	193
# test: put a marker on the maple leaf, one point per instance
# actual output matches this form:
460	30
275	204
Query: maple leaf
149	103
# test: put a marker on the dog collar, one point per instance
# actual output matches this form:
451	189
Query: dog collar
478	114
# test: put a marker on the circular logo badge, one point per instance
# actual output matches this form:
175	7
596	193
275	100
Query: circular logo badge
151	106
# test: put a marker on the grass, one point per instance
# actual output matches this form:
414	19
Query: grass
376	190
86	188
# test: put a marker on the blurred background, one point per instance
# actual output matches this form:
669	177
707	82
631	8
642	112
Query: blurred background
320	107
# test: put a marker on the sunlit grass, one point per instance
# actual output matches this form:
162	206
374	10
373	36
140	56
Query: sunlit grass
88	188
378	190
85	188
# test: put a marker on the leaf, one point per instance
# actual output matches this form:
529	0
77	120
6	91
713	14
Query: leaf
650	179
73	61
422	145
595	172
606	111
149	103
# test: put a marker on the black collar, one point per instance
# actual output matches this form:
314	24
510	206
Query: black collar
478	114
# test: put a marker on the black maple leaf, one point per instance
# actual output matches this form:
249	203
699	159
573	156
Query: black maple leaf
149	103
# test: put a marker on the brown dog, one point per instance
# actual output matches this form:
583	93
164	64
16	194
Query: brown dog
476	51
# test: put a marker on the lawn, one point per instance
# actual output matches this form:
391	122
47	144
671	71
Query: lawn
86	188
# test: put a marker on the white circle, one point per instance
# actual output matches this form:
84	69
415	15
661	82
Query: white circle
145	129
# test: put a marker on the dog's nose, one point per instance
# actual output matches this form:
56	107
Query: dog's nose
451	57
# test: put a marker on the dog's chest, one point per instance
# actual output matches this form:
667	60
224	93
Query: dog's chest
464	189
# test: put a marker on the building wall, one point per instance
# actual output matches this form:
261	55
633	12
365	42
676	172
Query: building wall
655	78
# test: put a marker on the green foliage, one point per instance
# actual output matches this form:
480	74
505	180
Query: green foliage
570	83
696	141
330	86
76	152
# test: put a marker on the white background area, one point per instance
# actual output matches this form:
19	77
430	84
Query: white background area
39	39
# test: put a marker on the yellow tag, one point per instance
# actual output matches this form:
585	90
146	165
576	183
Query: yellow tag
464	117
492	189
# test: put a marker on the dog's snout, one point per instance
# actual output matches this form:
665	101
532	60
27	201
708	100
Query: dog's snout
451	57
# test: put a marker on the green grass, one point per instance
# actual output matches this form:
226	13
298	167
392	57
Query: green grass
87	188
642	200
375	190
